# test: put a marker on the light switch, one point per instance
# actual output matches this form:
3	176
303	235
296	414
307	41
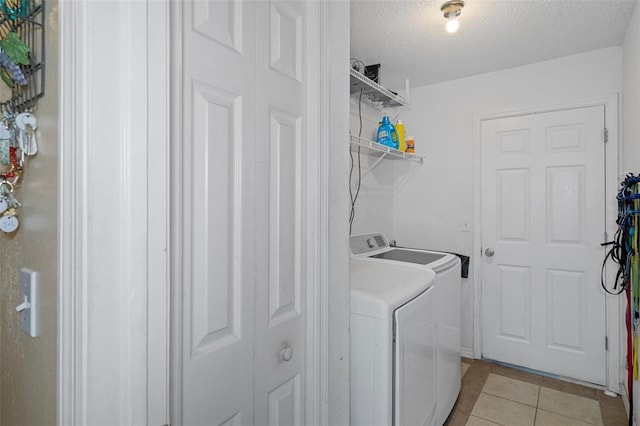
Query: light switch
28	301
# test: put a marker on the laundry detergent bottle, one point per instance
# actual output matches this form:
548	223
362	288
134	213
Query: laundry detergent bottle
387	134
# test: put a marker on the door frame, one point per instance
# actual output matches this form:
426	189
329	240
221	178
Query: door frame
612	162
114	298
110	364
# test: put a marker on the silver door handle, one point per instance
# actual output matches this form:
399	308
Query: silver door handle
286	352
489	252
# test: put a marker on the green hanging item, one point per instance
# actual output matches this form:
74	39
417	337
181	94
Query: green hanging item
4	75
15	49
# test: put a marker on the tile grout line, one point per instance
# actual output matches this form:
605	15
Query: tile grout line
535	415
473	403
484	377
569	417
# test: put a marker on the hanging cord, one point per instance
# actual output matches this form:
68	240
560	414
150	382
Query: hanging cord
353	197
624	252
629	355
621	251
635	290
631	266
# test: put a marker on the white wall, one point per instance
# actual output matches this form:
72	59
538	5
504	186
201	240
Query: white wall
631	96
335	284
374	205
631	139
429	208
27	364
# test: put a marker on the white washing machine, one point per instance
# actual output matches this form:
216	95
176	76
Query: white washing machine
393	345
375	248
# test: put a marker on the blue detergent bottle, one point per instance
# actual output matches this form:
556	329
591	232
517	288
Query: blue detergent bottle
387	134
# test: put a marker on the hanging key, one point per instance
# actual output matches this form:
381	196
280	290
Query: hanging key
6	193
4	204
13	203
27	125
5	144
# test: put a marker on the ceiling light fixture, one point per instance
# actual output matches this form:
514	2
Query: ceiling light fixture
452	10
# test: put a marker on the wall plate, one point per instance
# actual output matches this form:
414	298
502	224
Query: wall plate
28	301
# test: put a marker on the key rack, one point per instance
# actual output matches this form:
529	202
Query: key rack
24	19
22	47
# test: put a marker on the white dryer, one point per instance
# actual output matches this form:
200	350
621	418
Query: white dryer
393	345
375	248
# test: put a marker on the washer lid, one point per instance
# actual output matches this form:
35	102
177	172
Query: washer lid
438	261
411	256
379	288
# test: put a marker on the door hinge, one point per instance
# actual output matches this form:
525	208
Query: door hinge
606	135
606	343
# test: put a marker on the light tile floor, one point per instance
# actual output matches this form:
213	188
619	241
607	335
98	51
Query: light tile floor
493	394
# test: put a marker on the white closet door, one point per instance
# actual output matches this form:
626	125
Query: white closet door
241	213
282	178
215	206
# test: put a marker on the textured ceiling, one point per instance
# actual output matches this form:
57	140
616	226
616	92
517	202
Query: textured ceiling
408	39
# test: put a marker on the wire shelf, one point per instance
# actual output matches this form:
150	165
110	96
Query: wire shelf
371	147
376	94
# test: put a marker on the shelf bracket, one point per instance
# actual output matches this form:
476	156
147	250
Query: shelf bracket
373	166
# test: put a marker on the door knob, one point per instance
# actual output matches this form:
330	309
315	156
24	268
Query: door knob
489	252
286	352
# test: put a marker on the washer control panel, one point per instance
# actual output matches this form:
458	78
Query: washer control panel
366	243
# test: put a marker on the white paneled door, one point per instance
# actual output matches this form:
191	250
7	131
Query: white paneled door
543	219
241	162
280	179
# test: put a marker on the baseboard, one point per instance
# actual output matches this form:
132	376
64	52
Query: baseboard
467	352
